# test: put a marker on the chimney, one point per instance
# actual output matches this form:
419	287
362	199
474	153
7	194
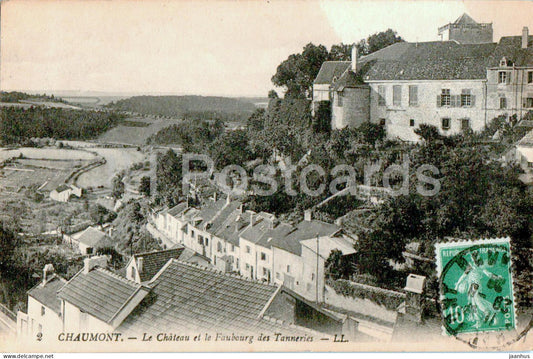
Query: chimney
140	263
308	215
525	37
251	218
48	273
354	58
97	261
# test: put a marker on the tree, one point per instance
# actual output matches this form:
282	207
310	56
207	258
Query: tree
144	186
118	187
429	133
100	215
340	52
338	266
322	117
297	73
382	39
272	94
231	148
116	260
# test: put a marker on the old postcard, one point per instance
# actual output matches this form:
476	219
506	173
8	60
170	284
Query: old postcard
266	176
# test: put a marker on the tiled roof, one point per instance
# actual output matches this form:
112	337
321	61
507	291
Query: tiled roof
207	213
99	293
187	298
47	294
277	233
435	60
92	237
154	261
527	140
325	246
304	230
178	209
329	70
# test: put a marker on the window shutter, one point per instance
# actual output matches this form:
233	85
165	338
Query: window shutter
438	100
508	78
472	100
453	101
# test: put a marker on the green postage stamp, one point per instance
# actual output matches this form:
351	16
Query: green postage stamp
476	287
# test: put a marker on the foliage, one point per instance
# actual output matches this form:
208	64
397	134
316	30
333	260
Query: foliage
379	41
144	186
322	117
191	135
118	187
386	298
117	260
338	266
230	148
169	177
19	124
100	215
177	106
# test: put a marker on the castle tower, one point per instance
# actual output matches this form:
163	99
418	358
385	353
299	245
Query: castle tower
466	30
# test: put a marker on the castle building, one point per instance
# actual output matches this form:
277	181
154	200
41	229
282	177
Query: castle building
450	84
466	30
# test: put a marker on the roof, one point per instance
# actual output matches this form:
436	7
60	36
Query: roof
527	152
207	213
62	188
178	209
304	230
348	79
326	245
329	70
465	19
527	140
93	237
154	261
47	294
188	298
99	293
433	60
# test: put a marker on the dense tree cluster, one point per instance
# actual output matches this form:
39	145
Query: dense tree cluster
297	73
18	124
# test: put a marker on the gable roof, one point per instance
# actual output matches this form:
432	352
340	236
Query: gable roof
433	60
304	230
100	293
93	237
155	260
188	298
177	209
47	294
329	70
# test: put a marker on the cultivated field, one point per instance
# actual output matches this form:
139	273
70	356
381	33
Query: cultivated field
46	153
136	135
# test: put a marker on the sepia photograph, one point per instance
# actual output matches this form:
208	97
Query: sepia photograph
266	176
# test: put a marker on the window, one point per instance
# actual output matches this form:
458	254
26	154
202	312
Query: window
445	123
232	248
263	256
445	98
219	247
530	164
530	77
528	102
192	234
411	122
413	95
185	229
43	310
382	121
339	99
89	250
248	249
247	266
503	102
381	96
200	240
502	77
288	268
207	241
397	95
465	124
466	98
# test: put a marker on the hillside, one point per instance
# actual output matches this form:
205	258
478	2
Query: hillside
177	106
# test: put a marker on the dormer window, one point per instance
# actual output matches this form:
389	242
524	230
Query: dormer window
503	62
334	79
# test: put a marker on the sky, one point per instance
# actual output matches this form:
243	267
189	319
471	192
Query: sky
224	48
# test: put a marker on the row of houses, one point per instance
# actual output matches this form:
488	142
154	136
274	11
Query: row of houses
459	83
257	245
170	296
